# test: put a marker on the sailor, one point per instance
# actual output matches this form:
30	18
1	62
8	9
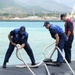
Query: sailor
18	36
60	37
69	31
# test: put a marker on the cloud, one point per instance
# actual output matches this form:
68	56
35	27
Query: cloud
27	2
70	3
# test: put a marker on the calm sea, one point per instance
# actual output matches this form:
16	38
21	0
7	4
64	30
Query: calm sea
39	38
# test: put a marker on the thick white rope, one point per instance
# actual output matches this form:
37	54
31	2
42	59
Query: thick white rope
25	63
21	59
64	59
61	54
66	62
29	65
47	48
50	55
47	69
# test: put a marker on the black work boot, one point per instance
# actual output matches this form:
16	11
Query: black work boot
33	64
48	60
58	64
4	64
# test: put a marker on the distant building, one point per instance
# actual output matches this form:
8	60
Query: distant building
34	17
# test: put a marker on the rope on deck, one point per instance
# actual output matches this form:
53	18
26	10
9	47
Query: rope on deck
47	48
51	54
21	59
66	62
63	58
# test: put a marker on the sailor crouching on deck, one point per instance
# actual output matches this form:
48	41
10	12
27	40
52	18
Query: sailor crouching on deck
60	37
18	36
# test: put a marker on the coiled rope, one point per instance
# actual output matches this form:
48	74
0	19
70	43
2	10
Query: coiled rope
21	59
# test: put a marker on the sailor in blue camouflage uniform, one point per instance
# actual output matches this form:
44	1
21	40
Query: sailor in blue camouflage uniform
18	36
60	37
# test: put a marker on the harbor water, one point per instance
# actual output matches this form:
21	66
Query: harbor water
38	39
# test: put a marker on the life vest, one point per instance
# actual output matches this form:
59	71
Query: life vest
17	32
66	28
17	38
57	29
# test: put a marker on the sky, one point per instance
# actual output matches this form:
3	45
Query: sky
69	3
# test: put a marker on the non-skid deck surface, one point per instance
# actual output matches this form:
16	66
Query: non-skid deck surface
12	70
63	70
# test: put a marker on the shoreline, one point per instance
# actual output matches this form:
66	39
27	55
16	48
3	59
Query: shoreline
31	20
